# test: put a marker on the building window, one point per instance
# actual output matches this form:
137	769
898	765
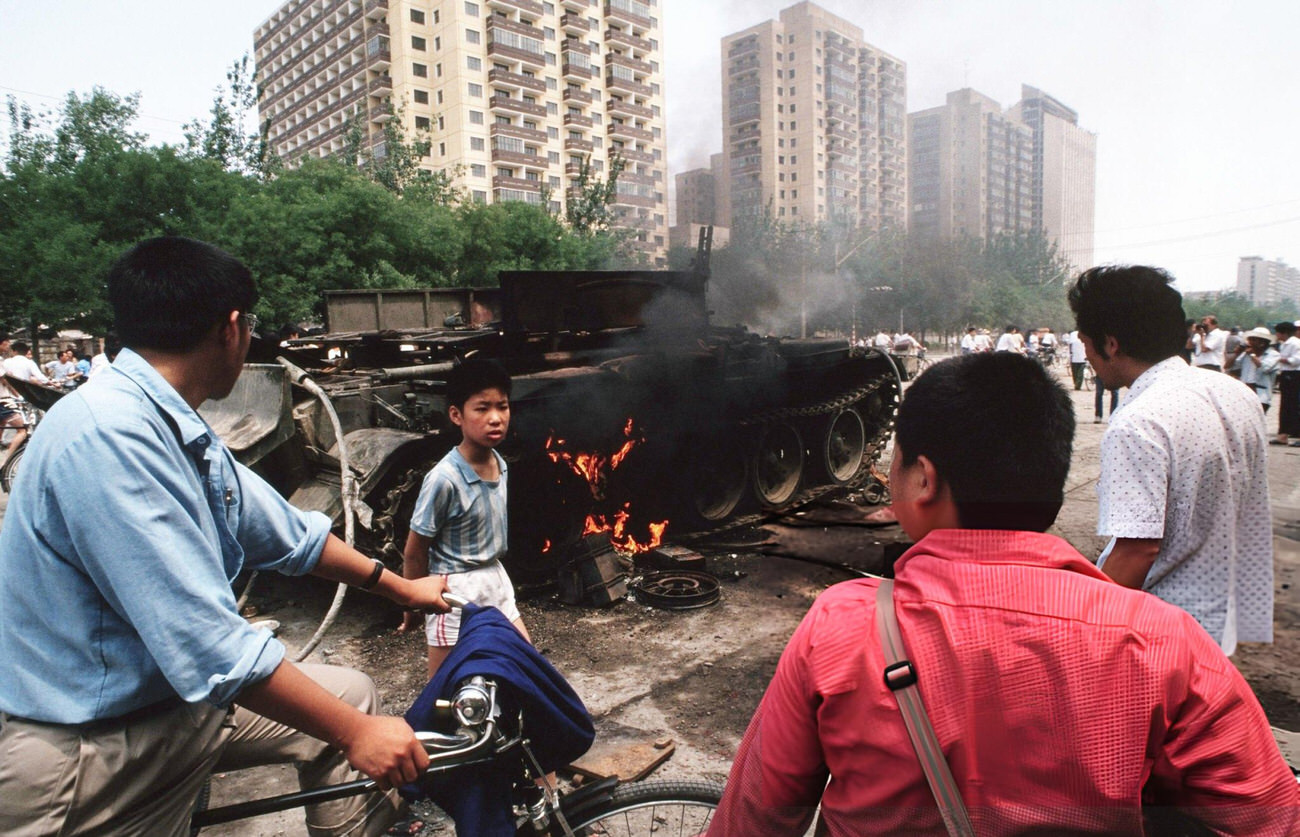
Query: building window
442	149
471	36
548	33
437	70
438	96
417	16
436	15
420	70
552	132
548	8
552	84
553	156
475	90
417	43
442	125
553	182
422	97
421	123
478	170
552	108
473	62
476	144
503	120
471	9
437	42
550	59
480	196
476	117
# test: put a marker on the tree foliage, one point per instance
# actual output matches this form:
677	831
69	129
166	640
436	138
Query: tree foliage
79	186
1235	310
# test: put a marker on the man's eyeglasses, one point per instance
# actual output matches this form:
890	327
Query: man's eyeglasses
251	319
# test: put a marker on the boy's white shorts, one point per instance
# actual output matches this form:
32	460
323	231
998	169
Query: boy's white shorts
486	585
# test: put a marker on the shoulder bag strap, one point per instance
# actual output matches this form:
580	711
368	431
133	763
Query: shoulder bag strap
900	677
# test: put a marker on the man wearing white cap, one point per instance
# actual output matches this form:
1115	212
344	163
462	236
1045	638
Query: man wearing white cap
1256	364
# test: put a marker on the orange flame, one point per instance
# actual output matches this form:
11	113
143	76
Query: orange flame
546	547
594	468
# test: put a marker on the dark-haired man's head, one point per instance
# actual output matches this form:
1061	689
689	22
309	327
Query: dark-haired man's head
1284	329
1129	318
169	293
983	442
474	375
20	348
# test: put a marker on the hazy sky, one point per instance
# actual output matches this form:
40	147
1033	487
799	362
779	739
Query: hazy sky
1196	103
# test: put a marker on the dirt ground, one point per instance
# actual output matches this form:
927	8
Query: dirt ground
696	676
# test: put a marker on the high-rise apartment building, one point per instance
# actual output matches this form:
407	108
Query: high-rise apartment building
813	122
697	204
1266	282
971	169
977	170
514	95
1065	174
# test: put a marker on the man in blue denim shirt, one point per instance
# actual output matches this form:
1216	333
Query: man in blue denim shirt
123	648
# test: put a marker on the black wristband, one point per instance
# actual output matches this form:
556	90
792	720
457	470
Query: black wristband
369	583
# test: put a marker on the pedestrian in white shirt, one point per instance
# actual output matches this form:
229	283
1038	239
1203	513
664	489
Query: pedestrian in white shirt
1255	364
1207	344
21	366
1183	490
968	341
1011	341
983	342
882	341
1078	357
1288	384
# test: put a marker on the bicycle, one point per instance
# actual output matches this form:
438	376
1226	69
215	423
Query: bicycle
9	468
479	734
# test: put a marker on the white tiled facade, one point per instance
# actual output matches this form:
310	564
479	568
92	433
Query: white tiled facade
512	94
1266	282
814	124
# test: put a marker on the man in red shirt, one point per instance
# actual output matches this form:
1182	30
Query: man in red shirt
1063	702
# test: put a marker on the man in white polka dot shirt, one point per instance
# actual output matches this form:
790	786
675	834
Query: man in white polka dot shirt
1183	490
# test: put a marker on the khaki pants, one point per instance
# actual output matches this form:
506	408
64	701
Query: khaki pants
143	777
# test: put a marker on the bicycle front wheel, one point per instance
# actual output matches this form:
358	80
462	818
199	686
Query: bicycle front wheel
656	807
9	470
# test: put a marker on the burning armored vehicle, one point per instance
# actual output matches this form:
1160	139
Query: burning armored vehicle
632	414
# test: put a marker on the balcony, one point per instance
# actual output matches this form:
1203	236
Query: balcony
523	184
744	47
500	51
629	12
633	200
379	27
627	39
519	132
632	155
511	105
576	119
380	87
377	55
574	23
624	131
634	64
574	5
571	144
515	81
577	71
376	9
613	82
624	107
518	158
530	7
575	45
574	94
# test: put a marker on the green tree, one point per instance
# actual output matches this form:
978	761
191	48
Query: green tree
223	138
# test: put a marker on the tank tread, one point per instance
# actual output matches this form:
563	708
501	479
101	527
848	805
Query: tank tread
875	448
